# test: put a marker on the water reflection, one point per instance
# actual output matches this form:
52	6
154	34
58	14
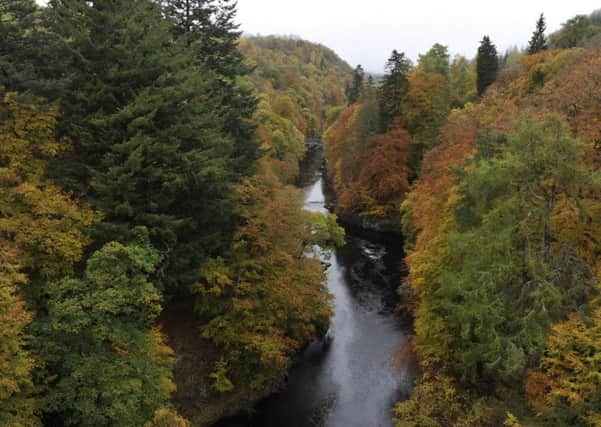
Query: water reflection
352	377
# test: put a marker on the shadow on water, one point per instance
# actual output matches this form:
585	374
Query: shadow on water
351	377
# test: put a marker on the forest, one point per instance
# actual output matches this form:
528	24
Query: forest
157	267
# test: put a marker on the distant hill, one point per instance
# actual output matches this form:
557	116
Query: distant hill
301	89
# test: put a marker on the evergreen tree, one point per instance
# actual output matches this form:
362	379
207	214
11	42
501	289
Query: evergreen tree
394	88
487	65
208	29
147	126
538	42
28	51
353	92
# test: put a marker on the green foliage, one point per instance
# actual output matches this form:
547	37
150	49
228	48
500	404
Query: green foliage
29	52
353	92
208	29
575	32
503	248
105	363
148	130
436	60
462	78
436	402
394	88
538	42
487	64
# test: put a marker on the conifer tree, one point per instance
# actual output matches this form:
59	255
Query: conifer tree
394	88
487	65
148	130
538	42
209	30
28	51
353	92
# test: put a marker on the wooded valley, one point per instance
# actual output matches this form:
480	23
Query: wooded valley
157	267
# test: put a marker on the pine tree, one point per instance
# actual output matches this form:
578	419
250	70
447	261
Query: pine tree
394	88
353	91
538	42
487	65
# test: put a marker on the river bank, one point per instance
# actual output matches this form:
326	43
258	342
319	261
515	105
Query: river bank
353	377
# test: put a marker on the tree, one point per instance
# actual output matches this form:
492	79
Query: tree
436	60
48	225
565	390
16	403
207	27
353	92
487	64
574	32
265	298
384	176
30	54
538	42
501	262
106	362
462	78
393	89
148	131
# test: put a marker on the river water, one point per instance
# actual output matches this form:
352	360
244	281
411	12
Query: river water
354	376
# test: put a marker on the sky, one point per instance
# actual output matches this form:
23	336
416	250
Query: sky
365	32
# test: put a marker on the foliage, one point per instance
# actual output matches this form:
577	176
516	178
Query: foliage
487	64
148	133
298	84
436	402
16	404
28	52
208	29
107	365
501	226
566	389
538	42
164	417
393	89
265	299
353	91
46	223
575	32
462	76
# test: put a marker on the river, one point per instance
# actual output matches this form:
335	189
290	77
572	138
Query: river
353	377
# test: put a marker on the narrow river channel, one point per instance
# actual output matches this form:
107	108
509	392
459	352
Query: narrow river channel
352	378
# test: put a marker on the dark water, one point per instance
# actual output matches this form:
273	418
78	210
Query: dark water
351	378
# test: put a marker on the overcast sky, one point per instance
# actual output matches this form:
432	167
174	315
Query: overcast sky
366	31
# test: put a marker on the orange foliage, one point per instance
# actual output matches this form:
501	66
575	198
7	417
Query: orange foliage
383	179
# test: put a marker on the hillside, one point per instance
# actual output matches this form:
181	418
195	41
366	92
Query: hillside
301	90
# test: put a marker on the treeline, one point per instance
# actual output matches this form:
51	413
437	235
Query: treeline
374	149
131	176
501	230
